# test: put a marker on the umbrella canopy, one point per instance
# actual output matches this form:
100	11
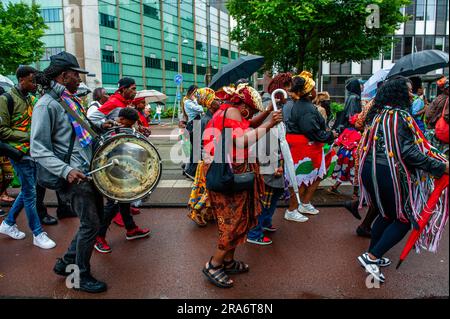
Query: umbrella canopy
6	82
370	86
419	63
151	96
238	69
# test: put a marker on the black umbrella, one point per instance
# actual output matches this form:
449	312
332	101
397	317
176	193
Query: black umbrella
238	69
419	63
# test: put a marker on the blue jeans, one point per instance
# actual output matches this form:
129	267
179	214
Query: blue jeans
157	115
26	171
265	219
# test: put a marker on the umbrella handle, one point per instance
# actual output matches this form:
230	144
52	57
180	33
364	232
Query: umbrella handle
274	103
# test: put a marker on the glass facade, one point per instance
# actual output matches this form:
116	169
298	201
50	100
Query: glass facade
151	52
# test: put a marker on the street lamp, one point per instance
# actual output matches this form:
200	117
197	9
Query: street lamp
208	40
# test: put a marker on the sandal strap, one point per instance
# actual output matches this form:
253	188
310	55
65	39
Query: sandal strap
219	274
236	265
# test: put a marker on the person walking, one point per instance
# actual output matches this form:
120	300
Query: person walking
16	111
396	166
52	131
236	211
306	135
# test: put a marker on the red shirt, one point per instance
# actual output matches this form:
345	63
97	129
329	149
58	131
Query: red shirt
215	127
116	100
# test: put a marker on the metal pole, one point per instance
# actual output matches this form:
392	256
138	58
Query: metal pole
208	35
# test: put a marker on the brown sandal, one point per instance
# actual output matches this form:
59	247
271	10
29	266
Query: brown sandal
235	267
218	277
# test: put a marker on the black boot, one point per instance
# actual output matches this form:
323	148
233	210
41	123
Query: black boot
60	267
49	220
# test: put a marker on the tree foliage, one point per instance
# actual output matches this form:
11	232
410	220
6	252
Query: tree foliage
21	28
298	34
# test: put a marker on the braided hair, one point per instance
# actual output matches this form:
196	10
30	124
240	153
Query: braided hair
44	78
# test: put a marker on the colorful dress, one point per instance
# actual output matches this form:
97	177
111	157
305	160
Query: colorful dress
236	213
348	143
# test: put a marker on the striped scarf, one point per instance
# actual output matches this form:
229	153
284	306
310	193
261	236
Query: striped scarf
84	137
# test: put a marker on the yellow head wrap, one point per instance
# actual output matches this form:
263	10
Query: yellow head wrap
205	96
309	82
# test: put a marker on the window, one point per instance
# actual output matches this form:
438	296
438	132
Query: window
440	17
188	68
107	20
420	10
408	46
439	43
233	55
151	12
429	42
49	52
201	70
398	48
335	68
431	10
152	63
200	46
223	52
171	65
52	15
108	56
418	43
410	24
366	67
340	68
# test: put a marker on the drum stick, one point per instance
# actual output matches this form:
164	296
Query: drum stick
113	163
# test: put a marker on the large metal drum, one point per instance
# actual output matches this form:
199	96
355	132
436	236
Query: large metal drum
137	168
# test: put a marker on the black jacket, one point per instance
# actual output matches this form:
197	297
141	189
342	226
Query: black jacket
410	153
305	119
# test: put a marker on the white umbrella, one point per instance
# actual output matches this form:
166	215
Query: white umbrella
6	82
151	96
370	86
288	161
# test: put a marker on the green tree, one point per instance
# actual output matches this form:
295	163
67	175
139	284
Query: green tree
298	34
21	28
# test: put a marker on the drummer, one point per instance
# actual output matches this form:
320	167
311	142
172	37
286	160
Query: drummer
127	119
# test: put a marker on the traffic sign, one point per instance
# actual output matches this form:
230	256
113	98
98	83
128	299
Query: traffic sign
178	79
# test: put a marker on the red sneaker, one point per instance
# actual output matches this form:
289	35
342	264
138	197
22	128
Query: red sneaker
135	211
137	233
118	220
102	246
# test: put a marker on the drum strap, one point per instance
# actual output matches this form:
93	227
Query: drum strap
78	118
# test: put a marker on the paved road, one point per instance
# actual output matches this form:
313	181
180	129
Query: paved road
311	260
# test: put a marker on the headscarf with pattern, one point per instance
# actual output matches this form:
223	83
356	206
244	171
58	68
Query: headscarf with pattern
244	93
205	96
309	82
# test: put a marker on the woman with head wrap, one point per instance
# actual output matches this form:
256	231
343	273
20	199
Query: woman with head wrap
236	212
306	135
199	204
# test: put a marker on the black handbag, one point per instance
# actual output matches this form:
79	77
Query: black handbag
220	177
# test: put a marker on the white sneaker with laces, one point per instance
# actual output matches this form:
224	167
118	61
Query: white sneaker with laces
308	209
43	241
11	231
295	216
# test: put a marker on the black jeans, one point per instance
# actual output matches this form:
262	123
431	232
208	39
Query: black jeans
111	209
386	231
87	202
63	210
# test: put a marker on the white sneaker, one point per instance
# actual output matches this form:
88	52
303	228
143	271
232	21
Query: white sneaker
11	231
295	216
308	209
43	241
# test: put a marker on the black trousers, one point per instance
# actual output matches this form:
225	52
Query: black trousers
111	209
387	231
63	210
87	202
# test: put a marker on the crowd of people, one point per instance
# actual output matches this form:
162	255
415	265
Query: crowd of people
390	149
